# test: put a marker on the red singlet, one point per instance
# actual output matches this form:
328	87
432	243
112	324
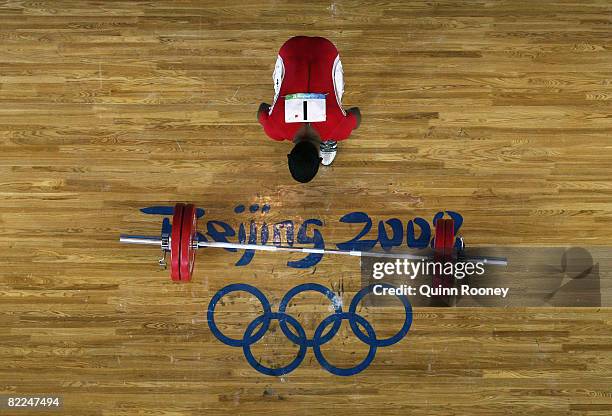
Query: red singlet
308	65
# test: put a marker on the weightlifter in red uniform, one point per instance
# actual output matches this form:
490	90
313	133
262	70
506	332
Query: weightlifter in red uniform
307	107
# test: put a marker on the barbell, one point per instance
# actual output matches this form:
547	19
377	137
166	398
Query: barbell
180	239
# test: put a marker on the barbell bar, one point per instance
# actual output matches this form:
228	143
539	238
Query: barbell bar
181	241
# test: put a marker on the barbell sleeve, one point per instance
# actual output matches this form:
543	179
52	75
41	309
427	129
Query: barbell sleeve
140	239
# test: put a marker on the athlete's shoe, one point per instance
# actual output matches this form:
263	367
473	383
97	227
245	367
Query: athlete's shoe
327	152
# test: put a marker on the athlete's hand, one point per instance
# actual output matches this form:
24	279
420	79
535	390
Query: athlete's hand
262	107
355	111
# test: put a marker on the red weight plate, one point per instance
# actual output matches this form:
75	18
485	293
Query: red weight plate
188	236
439	238
449	238
438	278
175	242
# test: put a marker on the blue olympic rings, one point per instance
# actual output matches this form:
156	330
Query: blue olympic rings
251	336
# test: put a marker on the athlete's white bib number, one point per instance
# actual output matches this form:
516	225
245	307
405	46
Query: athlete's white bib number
305	107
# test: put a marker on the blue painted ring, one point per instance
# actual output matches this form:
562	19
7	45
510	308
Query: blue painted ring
315	287
351	371
237	287
251	339
387	341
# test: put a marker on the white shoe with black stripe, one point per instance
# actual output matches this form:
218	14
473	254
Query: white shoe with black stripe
327	152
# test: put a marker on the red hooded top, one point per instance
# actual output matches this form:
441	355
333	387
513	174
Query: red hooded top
307	65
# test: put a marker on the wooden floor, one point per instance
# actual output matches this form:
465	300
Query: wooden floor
497	110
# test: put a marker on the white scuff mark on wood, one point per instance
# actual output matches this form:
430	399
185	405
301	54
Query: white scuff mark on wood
336	303
333	9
